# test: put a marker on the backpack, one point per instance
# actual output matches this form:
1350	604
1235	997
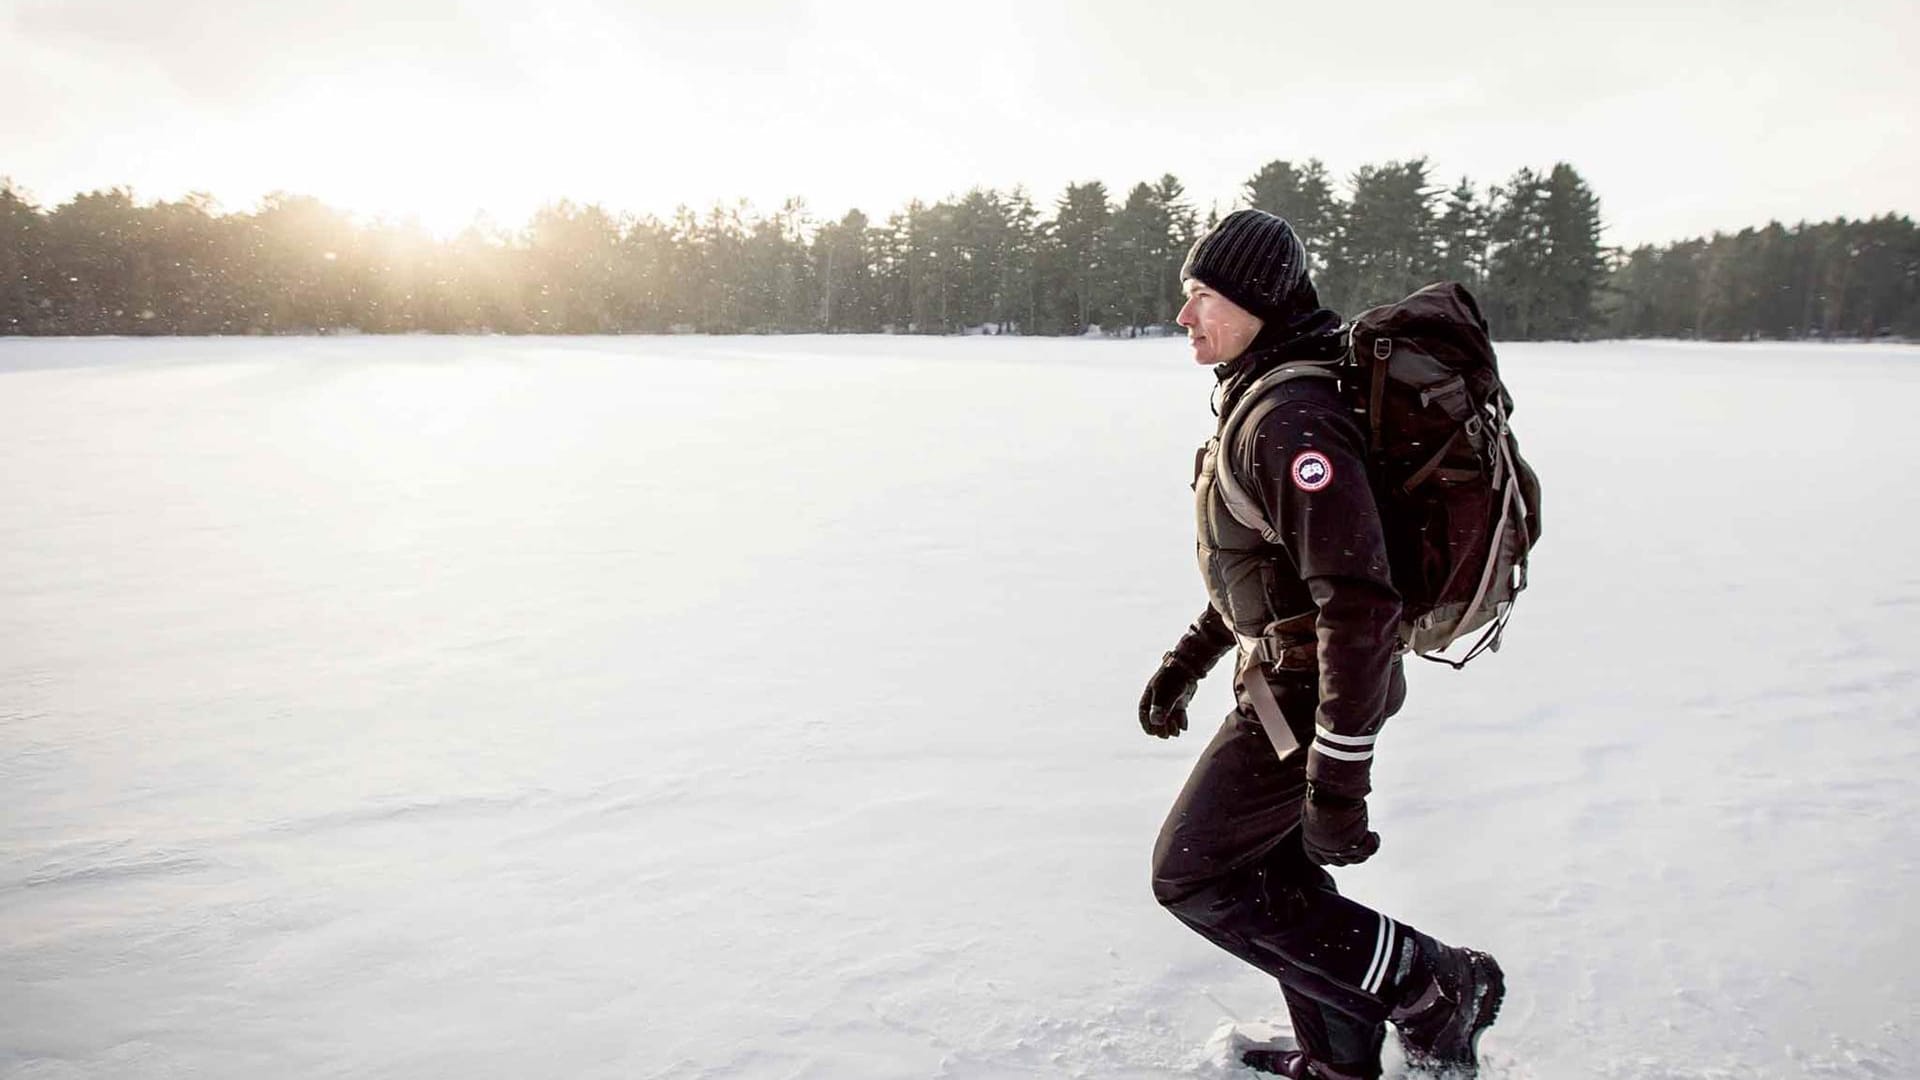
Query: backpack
1458	504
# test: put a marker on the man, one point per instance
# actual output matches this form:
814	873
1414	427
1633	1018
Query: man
1281	789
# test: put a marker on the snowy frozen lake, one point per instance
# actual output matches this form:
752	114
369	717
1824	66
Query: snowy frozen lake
707	707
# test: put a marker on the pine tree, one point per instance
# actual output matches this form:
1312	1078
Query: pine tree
893	271
928	247
721	241
1520	254
1020	292
983	239
843	261
1460	237
1576	265
572	251
1081	241
93	233
1139	239
641	285
1182	231
795	285
1389	246
24	272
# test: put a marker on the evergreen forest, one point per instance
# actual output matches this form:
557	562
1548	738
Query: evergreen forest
1531	247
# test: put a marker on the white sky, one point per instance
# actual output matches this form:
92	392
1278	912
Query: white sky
1685	116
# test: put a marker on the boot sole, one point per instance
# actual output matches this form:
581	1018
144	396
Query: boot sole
1270	1062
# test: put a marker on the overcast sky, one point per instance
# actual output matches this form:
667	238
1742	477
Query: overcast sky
1686	116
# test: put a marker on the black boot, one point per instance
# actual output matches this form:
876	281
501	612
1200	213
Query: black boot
1440	1026
1294	1064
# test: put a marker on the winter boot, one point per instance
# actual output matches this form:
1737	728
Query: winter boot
1440	1027
1294	1064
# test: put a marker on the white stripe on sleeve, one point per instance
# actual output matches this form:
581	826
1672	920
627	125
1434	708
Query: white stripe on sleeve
1342	755
1351	741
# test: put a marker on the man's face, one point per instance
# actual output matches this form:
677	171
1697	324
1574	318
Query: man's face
1217	328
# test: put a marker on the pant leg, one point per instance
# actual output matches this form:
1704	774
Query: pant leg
1333	1038
1229	863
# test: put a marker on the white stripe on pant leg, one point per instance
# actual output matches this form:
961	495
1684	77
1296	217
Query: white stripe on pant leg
1379	955
1396	948
1379	974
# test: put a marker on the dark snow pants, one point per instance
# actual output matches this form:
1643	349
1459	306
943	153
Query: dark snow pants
1229	863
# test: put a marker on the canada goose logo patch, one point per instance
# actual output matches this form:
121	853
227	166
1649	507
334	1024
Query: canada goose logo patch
1312	471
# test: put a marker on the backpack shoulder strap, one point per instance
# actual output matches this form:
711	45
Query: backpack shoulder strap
1254	405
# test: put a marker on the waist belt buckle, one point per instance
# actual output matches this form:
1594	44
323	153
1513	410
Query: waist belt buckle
1288	656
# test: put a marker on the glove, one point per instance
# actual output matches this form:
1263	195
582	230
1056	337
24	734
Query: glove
1163	707
1334	830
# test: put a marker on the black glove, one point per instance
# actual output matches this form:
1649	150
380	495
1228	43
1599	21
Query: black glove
1163	707
1334	829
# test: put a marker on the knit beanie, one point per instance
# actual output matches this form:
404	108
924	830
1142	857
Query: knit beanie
1254	259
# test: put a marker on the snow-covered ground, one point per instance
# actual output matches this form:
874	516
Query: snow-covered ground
465	708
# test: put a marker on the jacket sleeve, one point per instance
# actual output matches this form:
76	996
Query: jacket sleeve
1309	463
1355	629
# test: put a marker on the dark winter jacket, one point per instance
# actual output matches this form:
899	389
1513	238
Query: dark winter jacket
1327	583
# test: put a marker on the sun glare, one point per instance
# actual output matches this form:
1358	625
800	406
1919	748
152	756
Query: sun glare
425	162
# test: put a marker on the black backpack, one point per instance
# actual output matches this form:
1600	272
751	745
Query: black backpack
1460	507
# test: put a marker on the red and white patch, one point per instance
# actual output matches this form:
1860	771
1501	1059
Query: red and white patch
1312	471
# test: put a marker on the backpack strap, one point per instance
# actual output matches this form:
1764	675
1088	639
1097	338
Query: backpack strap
1252	681
1506	481
1254	405
1377	391
1432	464
1271	649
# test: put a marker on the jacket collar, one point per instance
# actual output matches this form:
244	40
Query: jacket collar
1319	338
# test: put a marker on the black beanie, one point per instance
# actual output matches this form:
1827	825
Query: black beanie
1254	259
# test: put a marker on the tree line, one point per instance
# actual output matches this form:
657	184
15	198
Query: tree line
991	260
1835	279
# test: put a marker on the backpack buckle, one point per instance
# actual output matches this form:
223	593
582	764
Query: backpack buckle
1473	427
1382	348
1279	655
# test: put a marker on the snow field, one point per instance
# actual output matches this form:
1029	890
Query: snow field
430	707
